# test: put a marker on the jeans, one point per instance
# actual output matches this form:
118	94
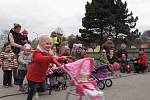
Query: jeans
22	74
34	87
7	77
15	76
139	67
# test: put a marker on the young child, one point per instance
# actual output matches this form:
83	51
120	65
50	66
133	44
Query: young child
113	61
41	58
121	51
104	61
116	68
8	62
103	57
124	64
24	59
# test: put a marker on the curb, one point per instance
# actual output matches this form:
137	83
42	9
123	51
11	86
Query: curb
11	95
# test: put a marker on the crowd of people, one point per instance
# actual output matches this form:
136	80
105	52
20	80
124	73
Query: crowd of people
19	60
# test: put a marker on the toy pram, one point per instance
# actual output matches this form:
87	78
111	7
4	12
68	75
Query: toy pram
80	72
102	75
56	79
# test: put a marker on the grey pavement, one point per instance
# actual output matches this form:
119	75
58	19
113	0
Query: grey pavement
129	87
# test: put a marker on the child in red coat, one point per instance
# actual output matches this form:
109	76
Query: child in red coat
41	58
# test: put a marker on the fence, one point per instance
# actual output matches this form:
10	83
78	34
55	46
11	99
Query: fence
132	53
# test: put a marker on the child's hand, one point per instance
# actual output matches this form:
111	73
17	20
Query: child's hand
108	63
135	61
64	57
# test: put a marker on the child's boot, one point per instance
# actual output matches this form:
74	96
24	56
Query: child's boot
21	88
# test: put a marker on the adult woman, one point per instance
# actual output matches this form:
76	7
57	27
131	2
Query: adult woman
16	40
141	62
108	45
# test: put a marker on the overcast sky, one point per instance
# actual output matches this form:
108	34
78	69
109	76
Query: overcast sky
43	16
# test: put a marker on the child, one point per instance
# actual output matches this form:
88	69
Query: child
24	59
78	53
103	57
7	59
122	51
104	61
116	68
41	58
113	61
124	64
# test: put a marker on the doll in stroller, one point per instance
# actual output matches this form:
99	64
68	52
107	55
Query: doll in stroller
80	74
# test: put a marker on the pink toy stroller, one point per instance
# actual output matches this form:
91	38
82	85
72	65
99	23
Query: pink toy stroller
80	72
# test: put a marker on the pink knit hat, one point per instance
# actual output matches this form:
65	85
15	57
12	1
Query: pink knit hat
123	56
27	46
24	32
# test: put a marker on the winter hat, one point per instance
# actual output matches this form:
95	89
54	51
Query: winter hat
27	46
123	56
24	32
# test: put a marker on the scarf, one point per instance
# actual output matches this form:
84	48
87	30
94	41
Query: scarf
42	49
45	51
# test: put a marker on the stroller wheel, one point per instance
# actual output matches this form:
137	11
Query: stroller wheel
108	82
101	85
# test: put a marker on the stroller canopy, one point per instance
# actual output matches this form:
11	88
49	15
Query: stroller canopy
82	66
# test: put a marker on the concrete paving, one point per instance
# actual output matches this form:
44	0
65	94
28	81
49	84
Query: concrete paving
129	87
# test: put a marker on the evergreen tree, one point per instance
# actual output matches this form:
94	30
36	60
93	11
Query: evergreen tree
103	17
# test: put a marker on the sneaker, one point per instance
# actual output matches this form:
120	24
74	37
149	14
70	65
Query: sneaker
36	96
16	83
21	88
136	72
11	85
5	86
